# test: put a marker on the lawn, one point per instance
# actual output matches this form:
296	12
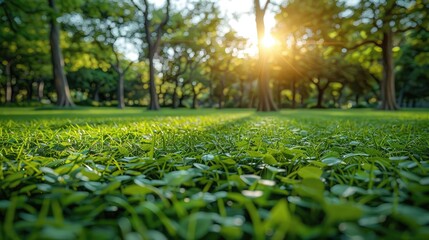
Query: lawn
213	174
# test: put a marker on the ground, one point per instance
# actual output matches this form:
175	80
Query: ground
210	174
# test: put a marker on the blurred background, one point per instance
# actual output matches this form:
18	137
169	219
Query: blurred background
205	53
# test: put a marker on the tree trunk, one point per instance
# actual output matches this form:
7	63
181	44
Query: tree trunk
279	94
29	92
388	100
164	99
211	94
340	96
40	90
222	87
194	98
175	97
60	80
293	94
320	94
266	102
15	90
8	87
153	40
241	97
181	99
121	100
252	99
96	95
211	89
154	102
401	96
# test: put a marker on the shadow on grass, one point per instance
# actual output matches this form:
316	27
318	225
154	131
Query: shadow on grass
354	114
89	114
81	115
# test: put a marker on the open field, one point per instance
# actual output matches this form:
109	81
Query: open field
208	174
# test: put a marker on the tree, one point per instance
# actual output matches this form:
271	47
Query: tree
23	48
175	65
307	30
190	36
266	102
94	82
413	71
152	38
108	23
380	22
60	80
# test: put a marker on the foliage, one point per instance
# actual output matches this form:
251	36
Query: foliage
328	53
413	70
213	174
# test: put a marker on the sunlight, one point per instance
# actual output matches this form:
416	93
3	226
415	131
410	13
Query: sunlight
268	41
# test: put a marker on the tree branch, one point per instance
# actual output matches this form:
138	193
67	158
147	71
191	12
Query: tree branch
408	28
375	78
363	43
161	25
128	66
264	9
10	20
146	23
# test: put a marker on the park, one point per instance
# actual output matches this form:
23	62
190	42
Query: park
204	119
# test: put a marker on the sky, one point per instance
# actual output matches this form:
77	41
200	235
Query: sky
244	23
240	14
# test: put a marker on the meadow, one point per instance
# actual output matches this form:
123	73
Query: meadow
105	173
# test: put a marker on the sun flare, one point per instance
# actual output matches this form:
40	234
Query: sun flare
268	41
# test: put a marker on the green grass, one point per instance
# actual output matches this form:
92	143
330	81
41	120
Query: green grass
210	174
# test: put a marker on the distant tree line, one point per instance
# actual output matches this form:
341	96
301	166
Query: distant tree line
137	53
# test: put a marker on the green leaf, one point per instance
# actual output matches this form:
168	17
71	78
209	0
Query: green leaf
409	175
331	161
310	172
91	174
343	190
177	178
275	170
279	218
311	187
153	234
208	157
249	179
201	166
110	187
269	159
136	190
231	232
196	225
355	155
424	181
74	197
255	154
398	158
339	212
419	215
229	161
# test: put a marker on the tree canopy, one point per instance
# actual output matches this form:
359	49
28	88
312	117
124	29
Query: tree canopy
319	54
